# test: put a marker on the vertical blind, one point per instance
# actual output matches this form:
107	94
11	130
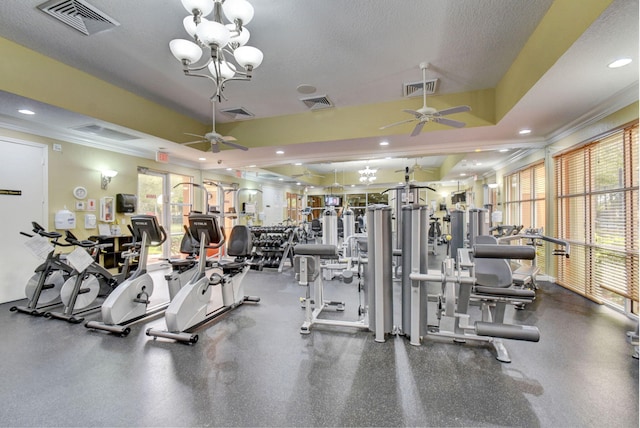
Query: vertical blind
597	211
525	202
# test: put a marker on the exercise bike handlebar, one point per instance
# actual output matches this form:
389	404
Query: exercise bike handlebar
53	236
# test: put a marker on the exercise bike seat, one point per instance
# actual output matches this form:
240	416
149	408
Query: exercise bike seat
239	246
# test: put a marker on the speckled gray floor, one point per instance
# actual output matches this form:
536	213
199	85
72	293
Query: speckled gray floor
253	368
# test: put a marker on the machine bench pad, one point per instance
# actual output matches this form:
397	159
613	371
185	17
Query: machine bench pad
321	250
505	292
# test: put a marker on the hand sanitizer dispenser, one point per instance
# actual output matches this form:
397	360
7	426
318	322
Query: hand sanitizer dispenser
65	219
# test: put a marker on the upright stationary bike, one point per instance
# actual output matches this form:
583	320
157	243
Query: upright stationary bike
129	302
83	287
43	288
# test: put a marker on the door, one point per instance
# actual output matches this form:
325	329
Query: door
162	194
23	198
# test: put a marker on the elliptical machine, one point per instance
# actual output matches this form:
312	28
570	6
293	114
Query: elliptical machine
43	288
188	310
129	302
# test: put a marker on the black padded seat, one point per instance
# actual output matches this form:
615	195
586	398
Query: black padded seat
515	293
239	246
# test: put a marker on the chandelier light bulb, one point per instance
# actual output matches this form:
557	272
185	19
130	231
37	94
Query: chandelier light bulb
213	33
227	70
204	6
248	56
242	38
238	9
190	25
184	50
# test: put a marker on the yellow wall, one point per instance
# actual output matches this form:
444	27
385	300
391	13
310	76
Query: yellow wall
78	165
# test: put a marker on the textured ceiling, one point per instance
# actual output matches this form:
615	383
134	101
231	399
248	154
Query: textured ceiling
358	53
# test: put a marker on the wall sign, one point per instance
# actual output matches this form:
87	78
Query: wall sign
10	192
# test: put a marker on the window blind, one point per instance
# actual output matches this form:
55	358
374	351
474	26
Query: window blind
597	211
525	203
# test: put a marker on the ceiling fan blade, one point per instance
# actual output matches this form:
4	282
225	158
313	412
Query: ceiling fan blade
193	135
193	142
413	112
228	138
418	128
449	122
397	123
452	110
215	148
234	145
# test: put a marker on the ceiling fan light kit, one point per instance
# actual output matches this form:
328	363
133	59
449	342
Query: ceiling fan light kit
427	114
222	40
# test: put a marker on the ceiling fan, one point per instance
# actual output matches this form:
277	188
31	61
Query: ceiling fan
215	139
336	185
416	167
306	173
428	114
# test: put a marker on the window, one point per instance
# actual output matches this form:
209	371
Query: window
160	195
597	211
525	202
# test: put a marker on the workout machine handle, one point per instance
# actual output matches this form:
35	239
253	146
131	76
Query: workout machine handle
72	239
51	235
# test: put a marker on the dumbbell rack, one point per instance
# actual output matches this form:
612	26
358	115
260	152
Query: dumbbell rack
272	246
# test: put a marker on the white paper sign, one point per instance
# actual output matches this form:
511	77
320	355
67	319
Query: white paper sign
79	259
39	246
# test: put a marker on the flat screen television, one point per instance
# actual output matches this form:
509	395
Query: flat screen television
459	197
332	201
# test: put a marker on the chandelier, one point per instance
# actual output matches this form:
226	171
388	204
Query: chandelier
222	40
367	175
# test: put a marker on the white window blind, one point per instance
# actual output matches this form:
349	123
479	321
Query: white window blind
597	211
525	202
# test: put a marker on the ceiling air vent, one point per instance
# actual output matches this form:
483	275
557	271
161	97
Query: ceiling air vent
237	112
108	133
79	15
414	89
317	103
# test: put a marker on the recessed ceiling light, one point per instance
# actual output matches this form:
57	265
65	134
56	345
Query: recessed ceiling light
463	174
251	166
384	143
25	111
229	169
298	163
353	185
503	150
524	131
620	63
298	183
280	152
280	179
477	150
202	158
